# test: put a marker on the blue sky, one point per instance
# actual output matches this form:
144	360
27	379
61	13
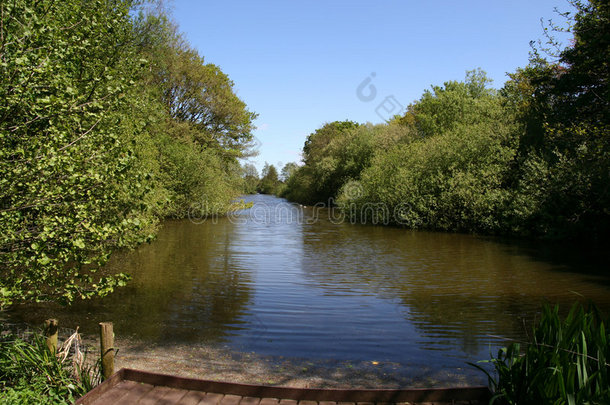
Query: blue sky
298	64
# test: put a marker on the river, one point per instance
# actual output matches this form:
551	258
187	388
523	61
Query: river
282	281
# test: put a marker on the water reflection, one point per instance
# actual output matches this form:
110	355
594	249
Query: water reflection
461	292
187	286
283	280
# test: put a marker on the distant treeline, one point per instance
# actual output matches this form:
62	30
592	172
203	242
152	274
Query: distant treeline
530	159
109	121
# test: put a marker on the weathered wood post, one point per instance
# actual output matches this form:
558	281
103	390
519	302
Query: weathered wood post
107	349
50	332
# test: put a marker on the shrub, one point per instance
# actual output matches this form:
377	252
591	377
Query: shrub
566	362
31	374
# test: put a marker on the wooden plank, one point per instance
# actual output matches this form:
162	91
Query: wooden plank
115	395
250	401
95	393
211	399
474	394
174	395
136	391
299	394
270	401
162	396
288	402
306	402
230	400
192	398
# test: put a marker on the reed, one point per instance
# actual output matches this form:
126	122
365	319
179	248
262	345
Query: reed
565	361
31	374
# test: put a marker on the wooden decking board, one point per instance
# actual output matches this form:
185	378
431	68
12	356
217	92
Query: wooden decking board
136	392
269	401
119	391
161	396
306	402
192	398
230	400
174	395
249	401
187	391
211	398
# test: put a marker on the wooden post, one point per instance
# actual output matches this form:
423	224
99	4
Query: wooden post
107	349
50	331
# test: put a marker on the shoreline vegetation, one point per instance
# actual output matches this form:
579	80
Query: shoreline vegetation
110	122
564	361
529	160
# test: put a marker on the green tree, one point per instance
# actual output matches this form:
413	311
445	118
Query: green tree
287	171
454	103
269	180
194	92
338	153
69	188
564	157
251	178
202	127
109	121
452	178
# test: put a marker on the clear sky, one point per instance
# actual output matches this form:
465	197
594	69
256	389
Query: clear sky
298	64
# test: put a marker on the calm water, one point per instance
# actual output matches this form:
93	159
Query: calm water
283	280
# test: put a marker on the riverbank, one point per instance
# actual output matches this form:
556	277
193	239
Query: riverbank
221	364
250	368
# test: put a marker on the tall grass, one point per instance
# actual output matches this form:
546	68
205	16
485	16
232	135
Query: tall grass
31	374
565	362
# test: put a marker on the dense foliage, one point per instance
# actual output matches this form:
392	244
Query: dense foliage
566	362
108	121
531	159
31	374
269	181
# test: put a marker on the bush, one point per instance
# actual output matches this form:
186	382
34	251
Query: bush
31	374
565	363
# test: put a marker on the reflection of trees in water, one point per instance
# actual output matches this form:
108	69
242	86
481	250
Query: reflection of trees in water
184	288
456	289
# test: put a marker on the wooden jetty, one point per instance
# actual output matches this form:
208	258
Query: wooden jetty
129	386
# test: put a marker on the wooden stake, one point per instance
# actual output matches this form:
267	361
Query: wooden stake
50	331
107	349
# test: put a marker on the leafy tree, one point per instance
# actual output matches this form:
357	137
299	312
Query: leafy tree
565	149
319	162
338	152
453	178
317	141
202	127
288	169
454	103
251	179
109	121
269	180
69	188
194	92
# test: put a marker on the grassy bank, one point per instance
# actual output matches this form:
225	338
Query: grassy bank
31	374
